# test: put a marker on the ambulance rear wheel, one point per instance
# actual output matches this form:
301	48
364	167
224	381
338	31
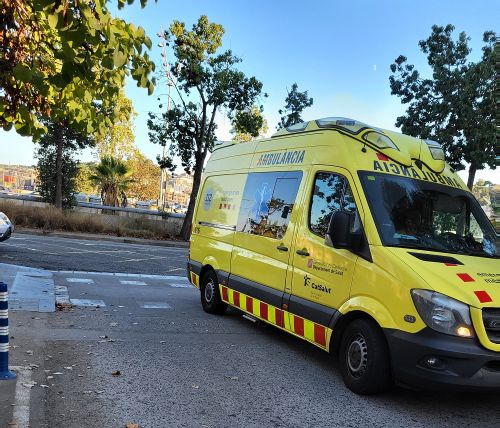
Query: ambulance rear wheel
211	300
364	358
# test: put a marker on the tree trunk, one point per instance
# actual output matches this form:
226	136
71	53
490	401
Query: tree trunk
472	176
186	225
59	162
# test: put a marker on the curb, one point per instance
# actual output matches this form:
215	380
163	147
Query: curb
90	237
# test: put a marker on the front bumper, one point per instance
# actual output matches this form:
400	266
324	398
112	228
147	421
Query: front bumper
462	363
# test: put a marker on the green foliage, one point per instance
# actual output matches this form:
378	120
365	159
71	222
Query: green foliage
83	183
296	103
205	82
67	60
112	176
47	157
456	106
118	141
249	124
145	176
482	192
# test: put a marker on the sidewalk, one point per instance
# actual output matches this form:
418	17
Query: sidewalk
99	237
30	290
7	399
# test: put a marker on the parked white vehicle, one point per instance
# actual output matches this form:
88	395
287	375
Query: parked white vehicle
6	227
80	197
95	199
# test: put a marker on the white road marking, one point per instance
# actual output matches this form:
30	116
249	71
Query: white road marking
129	275
125	282
21	411
155	305
62	296
88	303
143	259
80	280
180	285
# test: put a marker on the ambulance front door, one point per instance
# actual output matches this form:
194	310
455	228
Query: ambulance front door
322	275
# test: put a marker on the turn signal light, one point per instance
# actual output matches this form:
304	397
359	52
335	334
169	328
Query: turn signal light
464	331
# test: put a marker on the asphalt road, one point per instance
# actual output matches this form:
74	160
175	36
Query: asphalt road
181	367
52	253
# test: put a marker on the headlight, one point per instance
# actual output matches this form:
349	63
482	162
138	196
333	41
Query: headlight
442	313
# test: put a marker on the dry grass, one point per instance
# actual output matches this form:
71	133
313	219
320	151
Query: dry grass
52	219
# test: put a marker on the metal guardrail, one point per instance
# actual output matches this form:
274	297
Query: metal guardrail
100	207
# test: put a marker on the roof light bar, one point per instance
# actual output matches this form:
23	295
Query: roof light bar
297	127
436	150
380	141
350	125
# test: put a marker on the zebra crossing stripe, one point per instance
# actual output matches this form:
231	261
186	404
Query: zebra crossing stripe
126	282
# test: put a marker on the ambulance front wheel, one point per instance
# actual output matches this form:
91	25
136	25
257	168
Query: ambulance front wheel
210	294
364	358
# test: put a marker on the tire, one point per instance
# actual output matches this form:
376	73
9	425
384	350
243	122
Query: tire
364	358
210	294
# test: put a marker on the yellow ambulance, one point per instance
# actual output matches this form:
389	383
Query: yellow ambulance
359	240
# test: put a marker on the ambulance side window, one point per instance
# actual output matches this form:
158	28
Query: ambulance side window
267	203
331	193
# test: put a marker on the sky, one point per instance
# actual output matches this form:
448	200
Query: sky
340	51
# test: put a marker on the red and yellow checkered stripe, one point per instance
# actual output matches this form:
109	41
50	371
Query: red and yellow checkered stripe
317	334
195	279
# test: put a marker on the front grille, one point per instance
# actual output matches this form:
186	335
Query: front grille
491	320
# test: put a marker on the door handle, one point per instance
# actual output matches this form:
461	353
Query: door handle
282	248
303	252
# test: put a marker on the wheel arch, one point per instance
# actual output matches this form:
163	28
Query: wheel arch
360	307
204	269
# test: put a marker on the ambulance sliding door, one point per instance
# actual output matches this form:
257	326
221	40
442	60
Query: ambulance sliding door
264	233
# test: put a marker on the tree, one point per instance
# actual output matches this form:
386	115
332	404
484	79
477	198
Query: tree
249	124
112	176
56	164
83	183
205	82
481	191
119	140
66	60
456	106
145	176
296	103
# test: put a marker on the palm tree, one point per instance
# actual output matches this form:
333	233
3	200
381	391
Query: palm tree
112	176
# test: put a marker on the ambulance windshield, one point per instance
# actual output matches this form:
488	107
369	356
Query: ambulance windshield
420	214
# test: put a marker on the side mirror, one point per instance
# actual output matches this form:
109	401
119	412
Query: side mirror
286	211
341	233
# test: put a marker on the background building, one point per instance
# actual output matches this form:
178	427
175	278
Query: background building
178	189
18	177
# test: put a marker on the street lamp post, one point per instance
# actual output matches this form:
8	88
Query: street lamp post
163	175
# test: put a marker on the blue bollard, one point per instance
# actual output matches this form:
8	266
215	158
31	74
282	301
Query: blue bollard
4	334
